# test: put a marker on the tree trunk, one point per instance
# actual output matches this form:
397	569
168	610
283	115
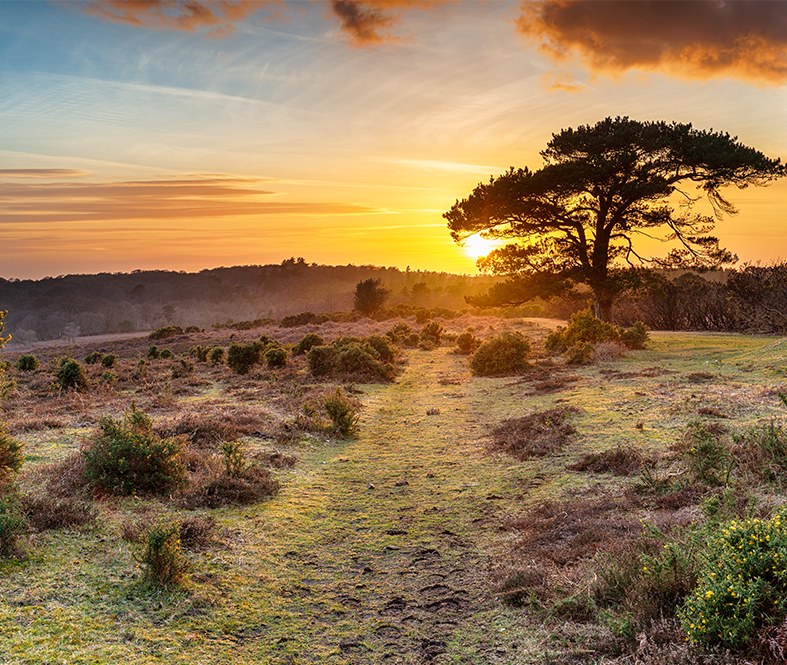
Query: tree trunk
603	310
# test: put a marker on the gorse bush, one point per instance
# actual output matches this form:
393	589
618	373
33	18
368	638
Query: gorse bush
199	352
275	356
708	458
162	560
343	414
501	355
742	583
126	456
12	526
109	360
71	375
27	362
321	360
242	357
216	355
467	343
584	328
307	343
432	333
11	457
93	357
166	331
385	351
234	459
166	354
363	358
153	352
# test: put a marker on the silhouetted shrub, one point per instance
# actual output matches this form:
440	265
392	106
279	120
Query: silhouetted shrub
126	456
199	352
109	360
307	343
153	352
432	332
343	414
584	328
242	357
71	375
501	355
27	362
467	343
166	354
276	356
385	351
166	331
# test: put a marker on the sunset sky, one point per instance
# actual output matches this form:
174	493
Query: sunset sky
147	134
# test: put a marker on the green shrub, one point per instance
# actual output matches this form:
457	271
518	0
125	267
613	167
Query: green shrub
166	331
109	360
234	459
762	451
12	526
11	457
584	327
357	359
193	329
109	377
27	362
141	370
166	354
276	356
126	456
501	355
708	458
153	352
382	346
343	414
199	352
580	353
216	355
242	357
467	343
93	357
307	343
71	375
741	583
162	561
399	332
321	360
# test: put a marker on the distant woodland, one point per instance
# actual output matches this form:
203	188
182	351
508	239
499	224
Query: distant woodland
750	298
72	305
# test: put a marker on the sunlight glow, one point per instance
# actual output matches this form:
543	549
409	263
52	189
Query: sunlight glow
475	246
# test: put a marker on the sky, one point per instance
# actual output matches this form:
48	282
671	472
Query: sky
191	134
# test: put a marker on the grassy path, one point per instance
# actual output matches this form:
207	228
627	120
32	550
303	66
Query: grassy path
379	551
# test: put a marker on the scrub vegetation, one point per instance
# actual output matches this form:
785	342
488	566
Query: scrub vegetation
449	490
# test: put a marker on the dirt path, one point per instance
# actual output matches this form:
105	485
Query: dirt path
381	544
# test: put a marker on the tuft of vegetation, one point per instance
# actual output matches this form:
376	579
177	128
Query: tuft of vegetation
276	356
46	512
27	362
343	414
537	435
153	352
162	560
199	352
166	354
71	375
215	355
467	343
12	526
252	485
620	461
126	456
431	334
109	360
234	459
501	355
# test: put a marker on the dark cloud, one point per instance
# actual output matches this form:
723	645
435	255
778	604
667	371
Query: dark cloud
218	16
697	39
363	21
194	197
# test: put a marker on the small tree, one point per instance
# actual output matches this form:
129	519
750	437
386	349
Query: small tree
603	187
370	296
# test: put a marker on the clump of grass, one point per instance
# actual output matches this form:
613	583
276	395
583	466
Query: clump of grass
162	560
620	461
343	414
45	512
536	435
197	533
252	485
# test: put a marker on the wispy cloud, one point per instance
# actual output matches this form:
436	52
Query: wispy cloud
692	39
194	197
217	16
43	173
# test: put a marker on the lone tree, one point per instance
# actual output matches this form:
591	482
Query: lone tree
370	296
602	187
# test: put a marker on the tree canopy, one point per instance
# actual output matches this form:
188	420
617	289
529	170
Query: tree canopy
602	189
370	296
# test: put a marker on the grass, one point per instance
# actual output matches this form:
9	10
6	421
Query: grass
376	545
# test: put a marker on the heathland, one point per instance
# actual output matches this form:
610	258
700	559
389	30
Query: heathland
387	501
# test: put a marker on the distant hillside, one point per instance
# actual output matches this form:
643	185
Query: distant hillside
70	305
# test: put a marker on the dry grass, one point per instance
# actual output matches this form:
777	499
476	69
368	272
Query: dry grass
537	435
620	461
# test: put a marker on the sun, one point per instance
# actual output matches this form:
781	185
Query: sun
475	246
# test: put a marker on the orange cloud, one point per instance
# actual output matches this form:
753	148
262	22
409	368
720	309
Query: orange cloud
183	198
697	39
189	15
